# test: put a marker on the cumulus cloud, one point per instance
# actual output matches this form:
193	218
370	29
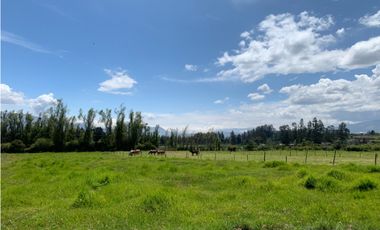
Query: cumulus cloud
42	102
221	101
265	88
289	44
371	20
340	32
191	68
11	99
333	101
119	83
9	96
256	96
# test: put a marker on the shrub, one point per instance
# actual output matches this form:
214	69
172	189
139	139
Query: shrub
337	174
310	183
5	147
365	185
273	164
16	146
72	145
41	145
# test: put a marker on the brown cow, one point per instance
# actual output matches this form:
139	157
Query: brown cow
134	152
160	152
153	152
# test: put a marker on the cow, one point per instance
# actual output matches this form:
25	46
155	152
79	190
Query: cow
194	152
153	152
134	152
160	152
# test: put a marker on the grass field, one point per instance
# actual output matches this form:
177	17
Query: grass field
115	191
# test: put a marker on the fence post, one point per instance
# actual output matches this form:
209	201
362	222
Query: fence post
334	157
265	155
215	155
286	159
375	159
247	156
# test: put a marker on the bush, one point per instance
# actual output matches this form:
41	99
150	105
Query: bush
16	146
5	147
310	183
146	146
374	169
365	185
72	145
41	145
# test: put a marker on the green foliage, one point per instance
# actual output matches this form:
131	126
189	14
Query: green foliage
16	146
365	185
310	183
273	164
337	174
85	199
302	173
41	145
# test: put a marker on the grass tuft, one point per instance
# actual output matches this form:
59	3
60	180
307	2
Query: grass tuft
365	185
273	164
337	174
310	183
157	202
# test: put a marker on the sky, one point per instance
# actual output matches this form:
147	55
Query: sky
203	64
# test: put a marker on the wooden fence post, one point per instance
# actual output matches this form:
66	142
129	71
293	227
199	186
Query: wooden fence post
375	159
264	156
334	157
286	159
215	155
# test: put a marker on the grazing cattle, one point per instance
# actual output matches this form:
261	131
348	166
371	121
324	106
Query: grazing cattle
134	152
160	152
153	152
194	152
231	149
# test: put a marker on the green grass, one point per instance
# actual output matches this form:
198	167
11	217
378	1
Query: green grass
115	191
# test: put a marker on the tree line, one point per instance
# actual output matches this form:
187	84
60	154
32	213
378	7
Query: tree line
122	130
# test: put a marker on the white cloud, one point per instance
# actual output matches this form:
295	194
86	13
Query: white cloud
291	44
256	96
13	100
221	101
265	89
371	20
119	83
20	41
191	68
10	97
340	32
332	101
42	102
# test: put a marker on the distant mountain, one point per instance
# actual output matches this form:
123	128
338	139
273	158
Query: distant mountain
365	126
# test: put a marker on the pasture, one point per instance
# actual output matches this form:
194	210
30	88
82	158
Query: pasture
215	190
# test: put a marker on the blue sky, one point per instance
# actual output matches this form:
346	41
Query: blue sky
206	64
